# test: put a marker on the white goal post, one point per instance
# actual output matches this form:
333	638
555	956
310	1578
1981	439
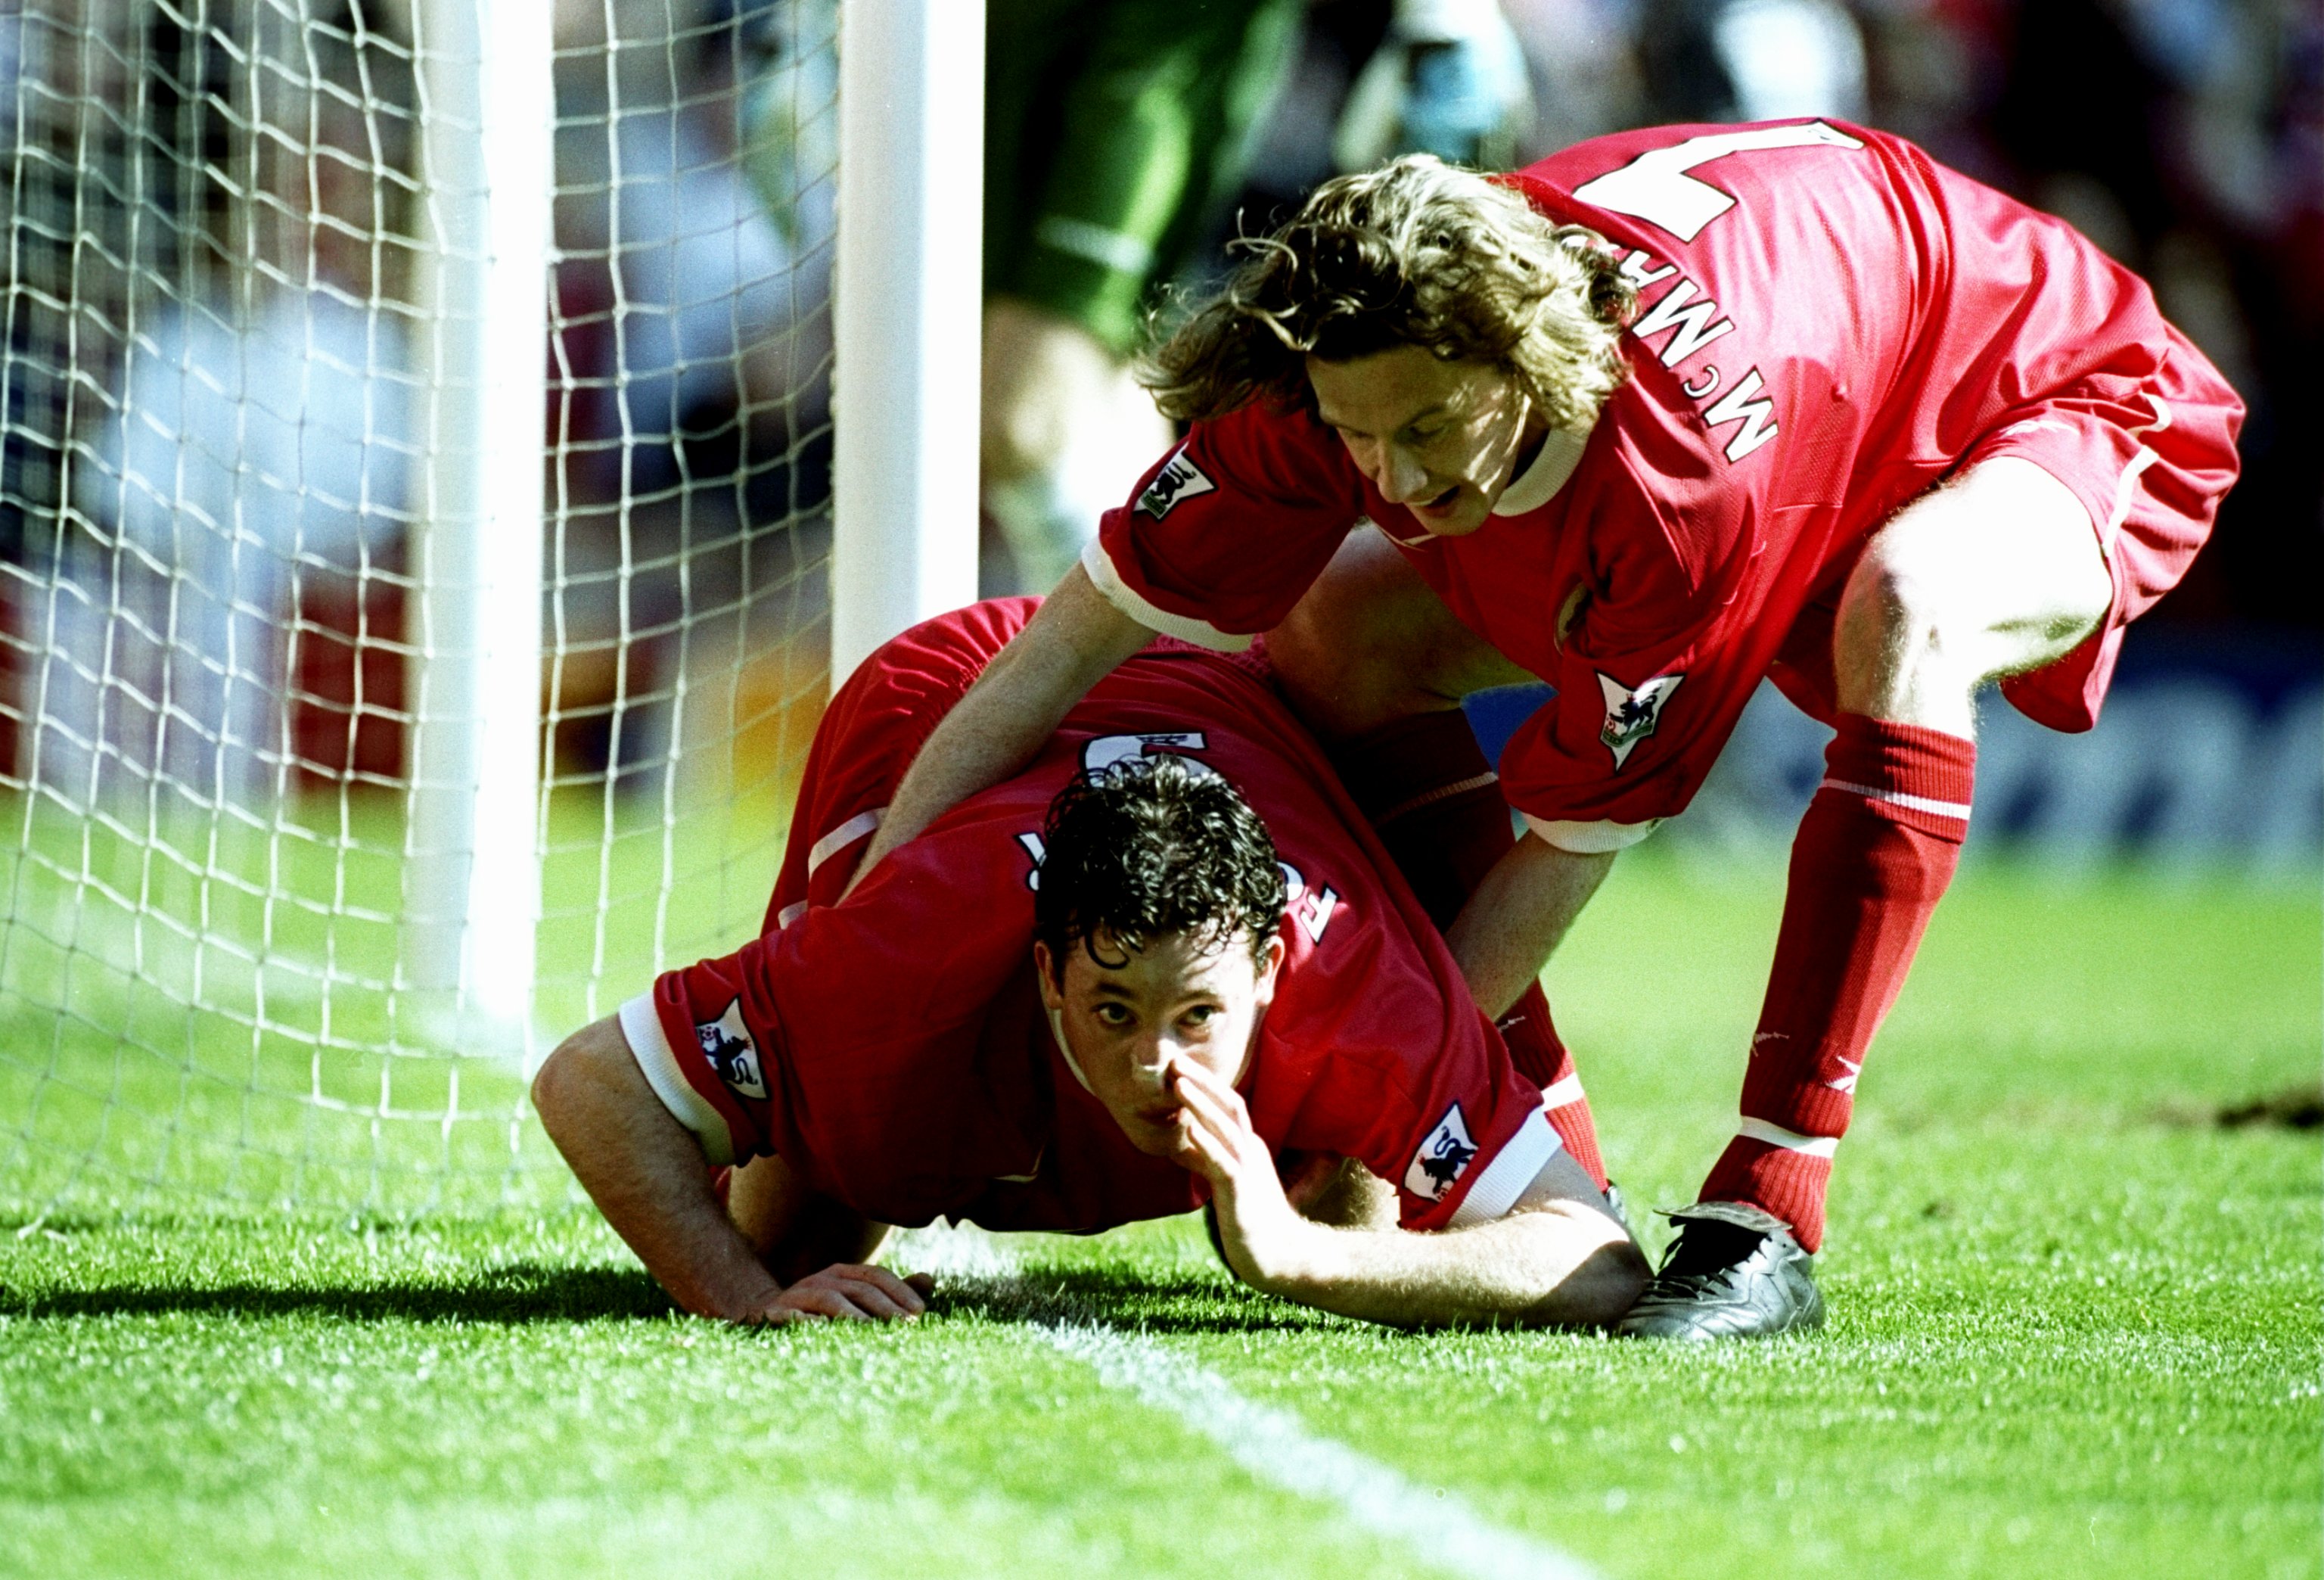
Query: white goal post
427	543
907	307
471	884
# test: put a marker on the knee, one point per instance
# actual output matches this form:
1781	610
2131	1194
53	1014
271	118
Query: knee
1371	643
1892	607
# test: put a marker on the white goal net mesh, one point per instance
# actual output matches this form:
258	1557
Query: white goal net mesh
222	295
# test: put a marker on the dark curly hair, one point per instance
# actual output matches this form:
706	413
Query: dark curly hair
1152	846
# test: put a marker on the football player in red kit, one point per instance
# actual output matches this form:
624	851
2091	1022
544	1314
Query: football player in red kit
1164	958
1663	415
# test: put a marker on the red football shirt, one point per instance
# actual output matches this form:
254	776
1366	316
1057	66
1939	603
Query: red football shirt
1829	323
892	1047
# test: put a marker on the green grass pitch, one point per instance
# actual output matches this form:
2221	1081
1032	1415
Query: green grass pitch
2075	1330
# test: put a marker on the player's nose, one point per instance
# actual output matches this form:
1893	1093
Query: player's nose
1401	479
1152	1057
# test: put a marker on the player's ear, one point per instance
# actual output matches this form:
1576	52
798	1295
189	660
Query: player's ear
1045	966
1270	961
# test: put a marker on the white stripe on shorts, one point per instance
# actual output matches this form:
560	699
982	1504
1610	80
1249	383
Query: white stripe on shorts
2127	485
1775	1136
841	837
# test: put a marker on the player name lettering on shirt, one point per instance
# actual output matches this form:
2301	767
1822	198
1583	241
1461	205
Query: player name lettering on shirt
1105	751
1692	324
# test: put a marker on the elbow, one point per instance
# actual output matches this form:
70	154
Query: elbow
558	1088
550	1084
1601	1272
1600	1291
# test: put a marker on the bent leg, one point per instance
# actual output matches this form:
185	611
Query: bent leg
1372	643
1376	665
1994	575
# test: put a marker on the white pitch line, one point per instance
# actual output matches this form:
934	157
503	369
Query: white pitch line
1277	1447
1273	1445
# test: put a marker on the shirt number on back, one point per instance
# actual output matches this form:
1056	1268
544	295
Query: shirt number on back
1655	187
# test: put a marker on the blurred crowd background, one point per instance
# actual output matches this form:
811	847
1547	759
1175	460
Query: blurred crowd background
212	356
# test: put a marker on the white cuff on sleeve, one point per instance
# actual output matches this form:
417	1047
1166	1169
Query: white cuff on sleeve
1505	1178
1124	597
1591	838
642	1025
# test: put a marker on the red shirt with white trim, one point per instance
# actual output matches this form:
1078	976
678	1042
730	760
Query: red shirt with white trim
892	1047
1828	324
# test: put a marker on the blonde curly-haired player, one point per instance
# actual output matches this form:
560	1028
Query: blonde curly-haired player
1660	416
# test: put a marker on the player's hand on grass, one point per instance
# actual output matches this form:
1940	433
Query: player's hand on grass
1258	1228
850	1291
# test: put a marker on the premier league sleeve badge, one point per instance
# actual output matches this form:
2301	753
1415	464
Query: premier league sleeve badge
1632	713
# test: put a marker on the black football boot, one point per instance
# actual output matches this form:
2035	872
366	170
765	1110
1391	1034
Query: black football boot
1734	1271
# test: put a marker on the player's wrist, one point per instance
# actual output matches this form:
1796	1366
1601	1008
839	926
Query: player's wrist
1296	1258
742	1296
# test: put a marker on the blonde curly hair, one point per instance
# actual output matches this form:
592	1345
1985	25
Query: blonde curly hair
1417	253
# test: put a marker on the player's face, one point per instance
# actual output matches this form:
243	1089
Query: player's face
1441	438
1127	1022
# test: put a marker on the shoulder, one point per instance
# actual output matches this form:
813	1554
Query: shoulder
1260	449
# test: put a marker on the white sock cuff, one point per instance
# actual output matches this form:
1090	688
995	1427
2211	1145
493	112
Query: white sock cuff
1791	1141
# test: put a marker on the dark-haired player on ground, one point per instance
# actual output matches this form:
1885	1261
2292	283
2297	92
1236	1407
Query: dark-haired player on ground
1165	958
1660	416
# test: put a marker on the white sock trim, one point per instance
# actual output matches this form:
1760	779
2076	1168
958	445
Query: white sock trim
1559	1094
1791	1141
1929	804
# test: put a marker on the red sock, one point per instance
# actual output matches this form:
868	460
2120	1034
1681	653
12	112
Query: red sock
1873	856
1436	804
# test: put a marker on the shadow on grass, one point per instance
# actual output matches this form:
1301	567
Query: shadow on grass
1083	1296
521	1293
513	1294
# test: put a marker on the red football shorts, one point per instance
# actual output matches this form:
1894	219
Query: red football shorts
2150	463
2149	458
874	728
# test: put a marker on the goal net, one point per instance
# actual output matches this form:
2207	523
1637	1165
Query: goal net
413	605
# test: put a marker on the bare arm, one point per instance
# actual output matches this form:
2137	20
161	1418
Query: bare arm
647	1174
1557	1260
1518	916
1076	640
